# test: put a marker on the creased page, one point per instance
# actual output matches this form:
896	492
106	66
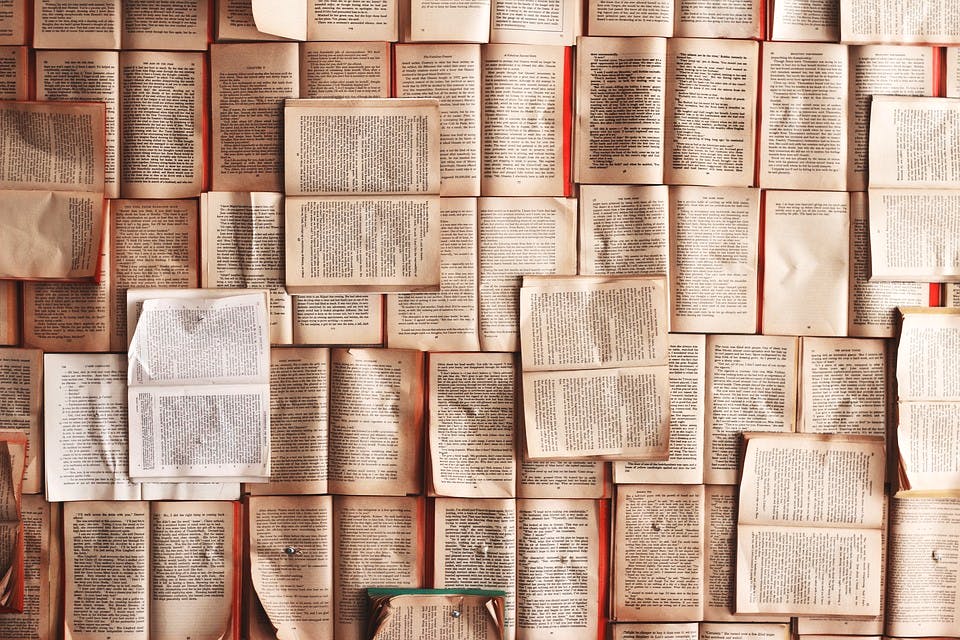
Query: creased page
623	229
658	532
473	424
21	390
424	614
714	248
710	125
708	19
286	19
806	266
558	564
193	566
806	20
291	563
376	413
345	70
621	83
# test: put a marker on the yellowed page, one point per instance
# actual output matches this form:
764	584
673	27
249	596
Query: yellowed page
926	340
873	304
803	132
299	421
612	18
450	73
445	320
248	85
291	562
558	563
13	23
242	247
929	446
107	539
369	244
744	631
472	424
161	124
154	243
21	373
449	21
345	70
657	560
910	142
623	229
522	144
517	237
338	319
376	412
751	386
192	566
562	479
651	630
923	581
34	621
422	616
621	88
344	20
553	22
14	81
285	19
881	70
69	24
708	19
899	21
687	370
69	316
375	540
475	546
807	263
714	245
235	22
9	312
806	20
152	24
952	87
710	127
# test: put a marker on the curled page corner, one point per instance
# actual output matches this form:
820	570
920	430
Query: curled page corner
284	18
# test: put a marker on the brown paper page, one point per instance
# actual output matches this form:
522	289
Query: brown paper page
13	23
14	81
21	372
376	412
66	24
710	128
621	84
623	229
150	24
344	70
472	424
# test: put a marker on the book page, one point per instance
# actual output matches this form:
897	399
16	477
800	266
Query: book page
85	427
375	540
475	546
952	88
806	266
445	320
524	106
923	582
291	563
745	630
562	479
67	24
344	20
9	312
623	229
803	133
106	539
449	21
658	532
911	237
21	373
881	70
714	247
898	21
558	563
711	97
35	621
468	614
194	567
472	424
553	22
926	339
248	85
153	243
727	19
910	141
161	124
612	18
13	23
325	155
376	413
338	319
687	371
235	21
299	421
806	20
873	304
362	244
929	446
517	237
751	386
242	246
286	19
450	73
151	24
344	70
64	76
621	87
660	631
843	386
